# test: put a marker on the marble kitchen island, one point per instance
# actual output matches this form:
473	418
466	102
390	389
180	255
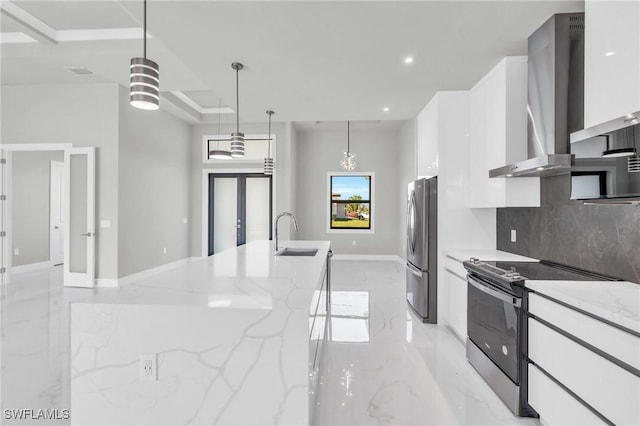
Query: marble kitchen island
231	334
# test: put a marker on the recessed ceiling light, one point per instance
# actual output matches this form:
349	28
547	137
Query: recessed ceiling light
609	53
78	70
408	60
540	168
385	109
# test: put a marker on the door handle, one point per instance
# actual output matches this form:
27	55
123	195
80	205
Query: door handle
55	227
88	234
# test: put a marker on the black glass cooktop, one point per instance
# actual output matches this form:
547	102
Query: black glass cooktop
542	270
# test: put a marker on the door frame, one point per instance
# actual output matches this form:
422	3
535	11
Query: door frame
59	165
240	206
258	169
5	209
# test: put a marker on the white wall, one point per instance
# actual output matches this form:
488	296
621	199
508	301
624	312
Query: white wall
319	151
283	174
154	162
84	115
31	205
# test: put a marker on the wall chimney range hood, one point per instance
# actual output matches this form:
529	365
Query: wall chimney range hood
555	97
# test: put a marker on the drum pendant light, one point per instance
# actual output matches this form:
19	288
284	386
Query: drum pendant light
144	83
349	160
268	162
237	138
217	153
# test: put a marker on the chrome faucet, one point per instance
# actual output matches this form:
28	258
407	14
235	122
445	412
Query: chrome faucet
295	224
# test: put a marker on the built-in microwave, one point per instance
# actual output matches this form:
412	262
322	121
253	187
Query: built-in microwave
607	166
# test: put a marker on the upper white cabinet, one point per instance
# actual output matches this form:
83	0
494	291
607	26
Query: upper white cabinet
498	136
427	140
612	60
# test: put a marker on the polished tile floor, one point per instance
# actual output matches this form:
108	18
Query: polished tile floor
380	366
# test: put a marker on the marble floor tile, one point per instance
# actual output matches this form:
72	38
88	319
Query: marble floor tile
381	365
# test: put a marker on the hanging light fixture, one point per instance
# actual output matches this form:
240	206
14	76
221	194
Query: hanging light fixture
268	162
144	83
217	153
237	138
349	160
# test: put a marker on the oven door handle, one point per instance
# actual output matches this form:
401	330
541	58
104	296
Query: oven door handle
515	301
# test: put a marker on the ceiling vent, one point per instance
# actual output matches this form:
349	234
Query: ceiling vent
78	70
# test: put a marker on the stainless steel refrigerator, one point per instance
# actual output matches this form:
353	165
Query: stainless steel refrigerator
422	248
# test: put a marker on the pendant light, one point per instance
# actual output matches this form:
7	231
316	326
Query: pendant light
144	83
237	138
218	154
349	160
268	162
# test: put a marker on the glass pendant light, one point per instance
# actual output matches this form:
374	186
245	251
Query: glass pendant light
237	138
217	153
268	162
144	82
349	160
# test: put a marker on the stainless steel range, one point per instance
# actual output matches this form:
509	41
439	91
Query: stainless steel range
497	307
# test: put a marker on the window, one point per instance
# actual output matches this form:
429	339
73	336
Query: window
350	200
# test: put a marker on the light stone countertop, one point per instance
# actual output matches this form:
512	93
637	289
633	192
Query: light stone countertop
230	333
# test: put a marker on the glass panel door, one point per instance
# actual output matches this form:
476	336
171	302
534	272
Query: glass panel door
225	205
258	209
79	269
239	210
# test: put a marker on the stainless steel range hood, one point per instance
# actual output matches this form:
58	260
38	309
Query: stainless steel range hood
555	97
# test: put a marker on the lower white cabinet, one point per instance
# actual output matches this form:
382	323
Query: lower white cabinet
555	405
598	376
456	297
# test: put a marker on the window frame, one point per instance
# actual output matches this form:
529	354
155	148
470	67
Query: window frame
372	212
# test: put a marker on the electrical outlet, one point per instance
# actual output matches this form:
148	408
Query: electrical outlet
16	252
148	371
513	235
185	220
164	250
353	243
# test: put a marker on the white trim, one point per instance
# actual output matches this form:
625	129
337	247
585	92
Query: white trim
372	206
153	271
106	282
248	162
204	230
376	257
193	104
15	147
55	164
31	267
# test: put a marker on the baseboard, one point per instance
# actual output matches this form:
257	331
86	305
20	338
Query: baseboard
107	282
153	271
31	267
379	257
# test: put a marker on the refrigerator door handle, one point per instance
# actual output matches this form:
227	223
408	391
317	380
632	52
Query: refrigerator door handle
411	226
415	271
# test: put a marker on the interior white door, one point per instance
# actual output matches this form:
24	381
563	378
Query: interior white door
79	209
258	208
56	223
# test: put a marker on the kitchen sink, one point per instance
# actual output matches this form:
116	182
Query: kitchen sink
292	251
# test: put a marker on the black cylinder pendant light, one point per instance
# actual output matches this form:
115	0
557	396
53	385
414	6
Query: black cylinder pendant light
268	162
237	137
144	82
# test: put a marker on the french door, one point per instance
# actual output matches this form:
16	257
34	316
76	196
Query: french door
240	208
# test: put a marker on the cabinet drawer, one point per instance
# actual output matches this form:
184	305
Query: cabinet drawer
618	343
611	390
454	266
554	404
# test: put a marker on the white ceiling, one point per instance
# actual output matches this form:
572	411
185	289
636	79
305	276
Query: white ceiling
307	60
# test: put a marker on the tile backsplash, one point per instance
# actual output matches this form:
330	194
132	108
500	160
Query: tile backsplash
602	238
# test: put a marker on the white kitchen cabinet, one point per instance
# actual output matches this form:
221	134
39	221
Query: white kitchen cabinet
455	288
612	60
498	136
589	365
427	139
